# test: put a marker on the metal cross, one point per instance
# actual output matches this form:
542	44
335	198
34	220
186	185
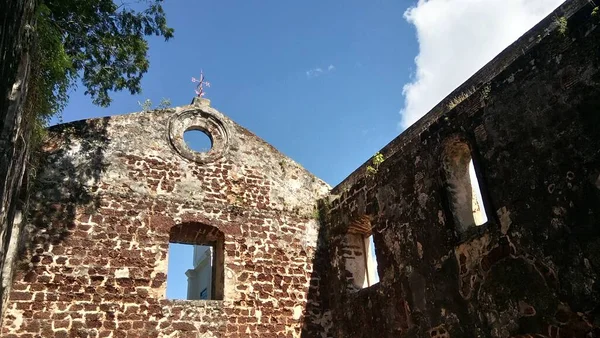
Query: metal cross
201	84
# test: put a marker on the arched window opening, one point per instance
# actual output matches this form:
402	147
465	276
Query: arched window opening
196	262
466	202
359	254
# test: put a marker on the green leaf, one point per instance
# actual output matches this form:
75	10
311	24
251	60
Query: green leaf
96	41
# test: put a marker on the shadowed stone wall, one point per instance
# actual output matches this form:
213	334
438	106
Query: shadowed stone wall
531	122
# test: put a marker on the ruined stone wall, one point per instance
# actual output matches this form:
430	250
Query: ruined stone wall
532	127
115	191
15	40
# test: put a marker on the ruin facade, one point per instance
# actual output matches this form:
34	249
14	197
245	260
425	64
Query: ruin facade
524	261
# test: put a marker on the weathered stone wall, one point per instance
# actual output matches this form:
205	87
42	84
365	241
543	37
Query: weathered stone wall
532	125
115	191
15	40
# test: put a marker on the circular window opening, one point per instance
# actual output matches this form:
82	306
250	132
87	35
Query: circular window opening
197	140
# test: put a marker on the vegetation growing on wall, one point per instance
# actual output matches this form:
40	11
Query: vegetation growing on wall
147	104
377	160
460	98
562	25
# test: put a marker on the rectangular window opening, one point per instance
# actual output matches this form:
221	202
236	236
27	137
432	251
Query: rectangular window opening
466	202
191	272
361	261
371	256
479	215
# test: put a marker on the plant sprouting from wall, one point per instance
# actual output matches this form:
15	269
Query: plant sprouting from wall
376	161
562	25
316	214
164	103
485	92
460	98
147	104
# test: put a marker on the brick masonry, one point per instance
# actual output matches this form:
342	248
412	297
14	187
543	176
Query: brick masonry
115	191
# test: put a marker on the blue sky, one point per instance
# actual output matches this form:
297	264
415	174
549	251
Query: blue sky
328	83
256	56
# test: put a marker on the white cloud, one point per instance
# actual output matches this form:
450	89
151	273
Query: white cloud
457	38
316	72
